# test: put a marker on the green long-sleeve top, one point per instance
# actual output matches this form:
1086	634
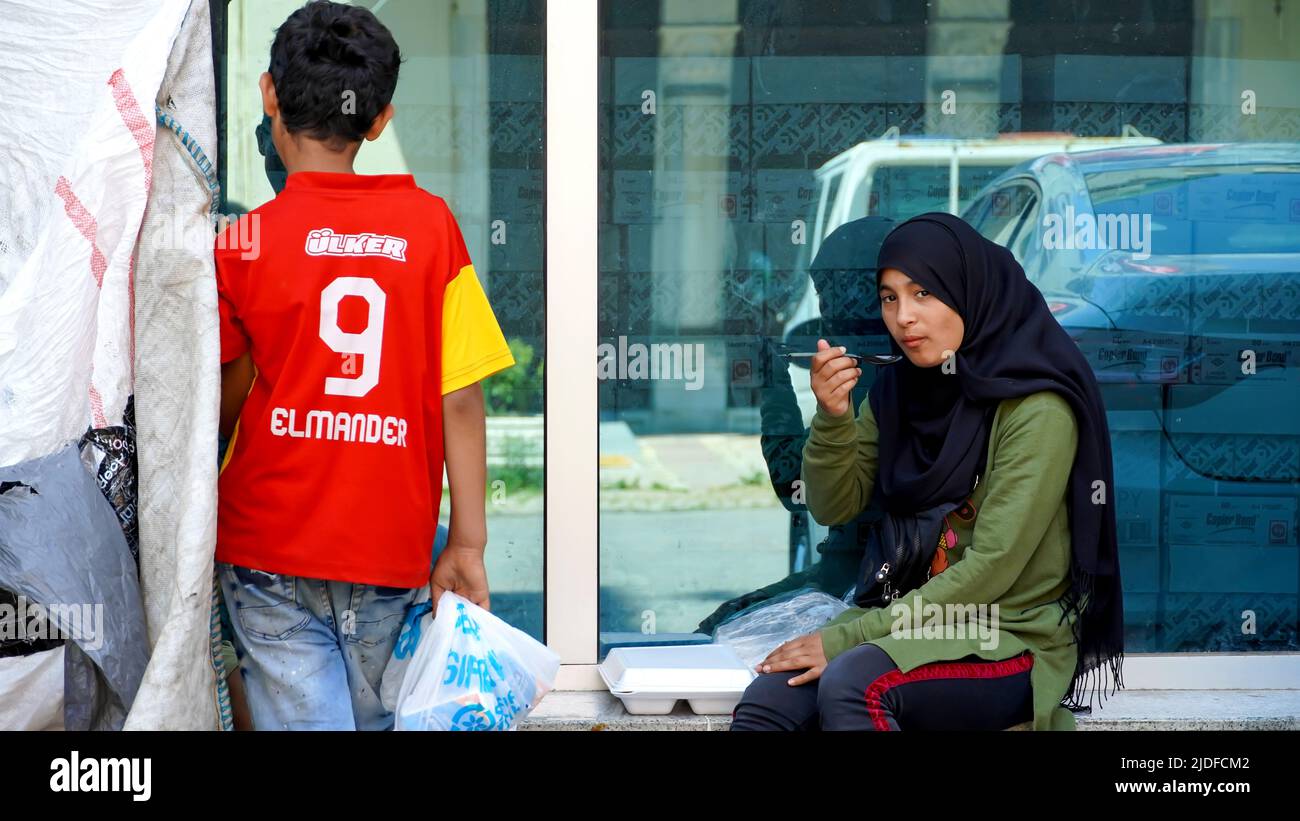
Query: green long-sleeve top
1012	550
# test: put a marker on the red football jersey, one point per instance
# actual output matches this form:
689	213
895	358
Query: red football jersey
360	308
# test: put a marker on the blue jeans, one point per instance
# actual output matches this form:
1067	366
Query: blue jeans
312	652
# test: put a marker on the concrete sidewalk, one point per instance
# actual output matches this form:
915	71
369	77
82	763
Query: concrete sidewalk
1126	710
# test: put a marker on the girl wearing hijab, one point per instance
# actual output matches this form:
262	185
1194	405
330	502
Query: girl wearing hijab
988	438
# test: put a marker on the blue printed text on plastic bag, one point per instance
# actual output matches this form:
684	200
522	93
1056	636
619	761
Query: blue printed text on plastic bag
463	671
464	623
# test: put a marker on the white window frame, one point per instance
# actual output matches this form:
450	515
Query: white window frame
572	592
572	560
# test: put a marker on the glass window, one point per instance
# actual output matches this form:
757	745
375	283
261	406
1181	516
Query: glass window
469	126
1210	209
1002	215
722	119
901	191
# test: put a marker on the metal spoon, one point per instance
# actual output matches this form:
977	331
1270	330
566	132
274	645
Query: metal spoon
870	359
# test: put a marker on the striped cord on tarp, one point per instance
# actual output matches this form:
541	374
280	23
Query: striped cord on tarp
219	659
201	161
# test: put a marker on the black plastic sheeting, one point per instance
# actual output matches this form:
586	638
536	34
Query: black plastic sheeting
116	473
62	545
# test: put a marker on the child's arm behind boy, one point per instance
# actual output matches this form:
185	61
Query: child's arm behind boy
460	568
236	380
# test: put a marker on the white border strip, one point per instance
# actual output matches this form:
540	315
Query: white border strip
579	677
572	403
1262	670
1212	671
1163	671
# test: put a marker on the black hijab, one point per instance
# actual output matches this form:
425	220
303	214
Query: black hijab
934	425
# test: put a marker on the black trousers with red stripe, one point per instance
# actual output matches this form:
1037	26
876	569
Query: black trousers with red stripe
862	689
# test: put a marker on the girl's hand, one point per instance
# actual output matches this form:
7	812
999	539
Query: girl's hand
833	376
804	653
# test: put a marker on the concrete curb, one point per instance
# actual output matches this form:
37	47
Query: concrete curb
585	711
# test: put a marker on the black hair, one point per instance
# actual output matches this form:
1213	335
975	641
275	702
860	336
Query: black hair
323	51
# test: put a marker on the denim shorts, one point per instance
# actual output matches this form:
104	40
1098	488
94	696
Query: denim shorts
312	652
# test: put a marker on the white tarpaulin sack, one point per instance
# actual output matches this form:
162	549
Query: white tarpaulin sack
108	352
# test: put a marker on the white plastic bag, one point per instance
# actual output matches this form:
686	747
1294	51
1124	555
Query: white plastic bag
466	670
417	619
760	631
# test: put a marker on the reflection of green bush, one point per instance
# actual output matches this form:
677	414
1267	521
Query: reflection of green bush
516	391
516	472
518	478
755	479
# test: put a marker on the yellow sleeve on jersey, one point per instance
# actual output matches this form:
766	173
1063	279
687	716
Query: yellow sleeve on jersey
473	347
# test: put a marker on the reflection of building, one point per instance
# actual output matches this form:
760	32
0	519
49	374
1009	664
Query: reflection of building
468	126
751	98
696	188
965	47
799	84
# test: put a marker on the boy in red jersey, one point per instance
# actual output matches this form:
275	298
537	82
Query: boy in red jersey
352	345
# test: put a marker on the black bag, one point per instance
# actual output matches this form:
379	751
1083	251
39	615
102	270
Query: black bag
898	553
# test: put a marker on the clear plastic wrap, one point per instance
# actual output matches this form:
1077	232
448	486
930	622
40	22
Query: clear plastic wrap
755	632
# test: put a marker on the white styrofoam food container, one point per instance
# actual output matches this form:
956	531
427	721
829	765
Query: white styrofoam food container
650	680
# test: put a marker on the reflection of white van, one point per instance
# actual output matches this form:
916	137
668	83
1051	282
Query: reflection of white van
899	177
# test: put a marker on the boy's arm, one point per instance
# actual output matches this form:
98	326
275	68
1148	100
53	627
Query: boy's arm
237	370
236	380
472	348
460	567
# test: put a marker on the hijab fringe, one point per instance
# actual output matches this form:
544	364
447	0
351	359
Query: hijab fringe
1098	660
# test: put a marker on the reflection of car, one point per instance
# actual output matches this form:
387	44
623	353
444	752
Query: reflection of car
1159	259
899	177
1192	325
1205	215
